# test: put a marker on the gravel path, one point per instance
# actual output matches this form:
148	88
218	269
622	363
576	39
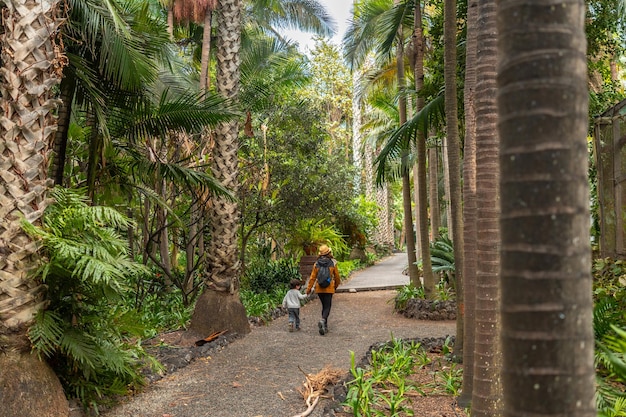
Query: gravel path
259	374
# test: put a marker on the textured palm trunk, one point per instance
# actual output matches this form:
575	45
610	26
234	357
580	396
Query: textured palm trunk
406	179
219	308
547	307
469	210
31	68
32	65
433	190
422	187
455	221
416	208
385	230
486	398
224	219
357	136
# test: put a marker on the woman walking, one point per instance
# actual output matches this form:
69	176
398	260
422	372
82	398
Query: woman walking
325	277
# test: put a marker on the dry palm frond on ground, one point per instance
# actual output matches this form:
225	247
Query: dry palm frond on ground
315	385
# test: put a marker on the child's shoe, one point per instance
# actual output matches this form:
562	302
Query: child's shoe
290	327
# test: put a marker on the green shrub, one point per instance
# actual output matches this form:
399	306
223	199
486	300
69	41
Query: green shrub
347	267
262	304
609	292
84	333
163	311
406	293
266	276
442	258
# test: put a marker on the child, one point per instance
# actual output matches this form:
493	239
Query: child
292	303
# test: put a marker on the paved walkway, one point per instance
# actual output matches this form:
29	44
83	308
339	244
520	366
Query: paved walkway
385	275
259	375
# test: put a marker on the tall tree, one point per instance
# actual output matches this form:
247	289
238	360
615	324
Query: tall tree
378	27
112	51
199	12
406	162
422	199
219	307
32	65
547	307
486	395
469	208
453	150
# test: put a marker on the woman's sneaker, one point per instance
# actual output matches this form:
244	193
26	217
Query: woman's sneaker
321	326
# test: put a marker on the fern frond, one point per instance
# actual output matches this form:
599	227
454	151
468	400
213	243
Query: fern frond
82	349
46	332
603	316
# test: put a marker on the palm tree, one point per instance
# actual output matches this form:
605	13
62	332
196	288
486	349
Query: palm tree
469	208
112	51
377	27
547	307
380	122
486	395
454	172
422	200
32	64
405	162
199	12
219	307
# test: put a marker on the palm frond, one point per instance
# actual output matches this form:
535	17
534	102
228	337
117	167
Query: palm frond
399	143
189	112
363	34
123	55
392	22
303	15
269	69
604	316
194	178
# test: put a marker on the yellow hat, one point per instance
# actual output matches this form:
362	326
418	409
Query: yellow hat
324	250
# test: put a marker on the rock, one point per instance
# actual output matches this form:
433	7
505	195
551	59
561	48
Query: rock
30	388
429	310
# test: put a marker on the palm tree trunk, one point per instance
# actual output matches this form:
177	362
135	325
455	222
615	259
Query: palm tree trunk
94	154
427	269
32	66
357	142
433	189
205	60
406	178
547	306
455	221
219	307
469	210
416	192
67	88
487	394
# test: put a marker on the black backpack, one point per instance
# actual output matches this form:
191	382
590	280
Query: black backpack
323	271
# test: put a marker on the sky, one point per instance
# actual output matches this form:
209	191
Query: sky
340	10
